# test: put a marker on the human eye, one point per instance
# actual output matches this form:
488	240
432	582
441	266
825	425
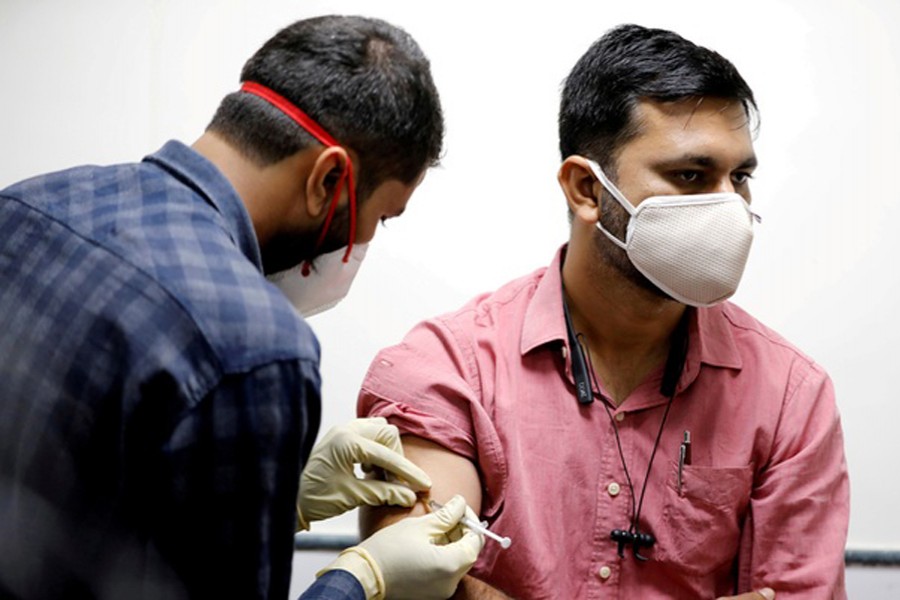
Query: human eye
741	177
689	176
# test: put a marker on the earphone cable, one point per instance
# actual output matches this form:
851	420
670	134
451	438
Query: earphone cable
662	426
595	386
635	512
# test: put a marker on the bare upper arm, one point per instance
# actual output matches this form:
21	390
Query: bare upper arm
450	474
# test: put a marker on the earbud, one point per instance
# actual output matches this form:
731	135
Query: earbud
620	535
638	540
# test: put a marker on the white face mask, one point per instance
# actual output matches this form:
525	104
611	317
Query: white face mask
693	247
324	286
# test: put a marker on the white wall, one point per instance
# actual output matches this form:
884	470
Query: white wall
111	80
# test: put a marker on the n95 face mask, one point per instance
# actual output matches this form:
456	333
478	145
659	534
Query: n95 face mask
326	284
693	247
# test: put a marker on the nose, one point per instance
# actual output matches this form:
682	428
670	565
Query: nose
723	185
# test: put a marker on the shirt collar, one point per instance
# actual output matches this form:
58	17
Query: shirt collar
710	339
544	321
194	170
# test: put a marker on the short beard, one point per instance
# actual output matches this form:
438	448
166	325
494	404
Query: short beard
286	250
614	219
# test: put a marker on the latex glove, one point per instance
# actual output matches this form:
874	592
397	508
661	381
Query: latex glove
329	485
420	558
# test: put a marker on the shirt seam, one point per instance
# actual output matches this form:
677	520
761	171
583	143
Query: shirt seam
772	339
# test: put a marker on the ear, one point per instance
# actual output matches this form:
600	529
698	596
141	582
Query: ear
581	188
324	175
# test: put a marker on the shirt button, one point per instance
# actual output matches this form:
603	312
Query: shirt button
604	572
620	417
613	489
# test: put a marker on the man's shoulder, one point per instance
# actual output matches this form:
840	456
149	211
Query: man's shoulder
495	308
172	246
51	189
748	331
123	207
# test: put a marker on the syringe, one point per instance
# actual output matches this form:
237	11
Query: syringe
474	525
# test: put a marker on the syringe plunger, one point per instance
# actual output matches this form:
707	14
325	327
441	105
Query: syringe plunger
474	525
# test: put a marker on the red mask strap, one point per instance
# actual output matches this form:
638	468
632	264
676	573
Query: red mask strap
316	130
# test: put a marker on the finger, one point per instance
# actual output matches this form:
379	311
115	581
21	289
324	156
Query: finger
387	435
451	513
378	430
463	552
364	423
372	453
377	493
474	542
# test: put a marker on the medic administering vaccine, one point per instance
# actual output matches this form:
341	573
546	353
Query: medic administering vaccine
161	396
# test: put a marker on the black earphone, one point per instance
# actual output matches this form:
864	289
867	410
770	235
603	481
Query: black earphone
584	391
637	540
581	375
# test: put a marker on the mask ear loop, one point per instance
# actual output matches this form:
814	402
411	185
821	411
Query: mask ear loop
346	176
620	198
316	130
610	187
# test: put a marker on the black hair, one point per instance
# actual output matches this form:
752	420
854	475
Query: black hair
630	63
365	81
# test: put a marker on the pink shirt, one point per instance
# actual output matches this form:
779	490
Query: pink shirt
764	502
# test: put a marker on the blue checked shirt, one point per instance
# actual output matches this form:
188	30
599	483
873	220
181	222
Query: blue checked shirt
157	396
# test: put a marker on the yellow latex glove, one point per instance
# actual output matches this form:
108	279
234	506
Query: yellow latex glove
421	558
329	485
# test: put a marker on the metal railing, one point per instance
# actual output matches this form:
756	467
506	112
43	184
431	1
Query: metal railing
855	557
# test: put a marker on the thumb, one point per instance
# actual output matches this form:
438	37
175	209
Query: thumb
767	593
464	551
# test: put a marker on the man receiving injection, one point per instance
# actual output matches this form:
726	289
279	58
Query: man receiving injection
575	385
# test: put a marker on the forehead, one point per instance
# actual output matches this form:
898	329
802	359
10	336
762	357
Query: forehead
703	126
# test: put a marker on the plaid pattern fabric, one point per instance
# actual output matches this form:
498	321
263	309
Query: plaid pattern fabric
157	396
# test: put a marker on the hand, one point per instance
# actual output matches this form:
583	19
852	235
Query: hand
329	485
763	594
420	558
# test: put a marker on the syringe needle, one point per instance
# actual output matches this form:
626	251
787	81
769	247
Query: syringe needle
474	525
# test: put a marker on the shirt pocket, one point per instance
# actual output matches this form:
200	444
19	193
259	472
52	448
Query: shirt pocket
701	522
